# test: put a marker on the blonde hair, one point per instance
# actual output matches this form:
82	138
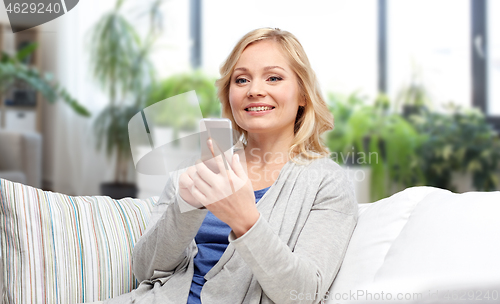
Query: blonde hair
312	120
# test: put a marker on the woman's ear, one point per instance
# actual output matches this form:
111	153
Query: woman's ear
303	101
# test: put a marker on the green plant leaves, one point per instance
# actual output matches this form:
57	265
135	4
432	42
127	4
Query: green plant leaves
120	64
423	148
459	140
115	52
26	51
374	130
13	70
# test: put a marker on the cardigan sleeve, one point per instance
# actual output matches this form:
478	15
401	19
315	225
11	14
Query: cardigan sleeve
306	273
164	245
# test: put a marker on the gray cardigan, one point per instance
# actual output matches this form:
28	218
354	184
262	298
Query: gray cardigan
291	255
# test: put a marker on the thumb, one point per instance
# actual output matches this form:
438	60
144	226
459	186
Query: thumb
237	167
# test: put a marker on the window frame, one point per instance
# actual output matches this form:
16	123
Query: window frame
195	30
478	61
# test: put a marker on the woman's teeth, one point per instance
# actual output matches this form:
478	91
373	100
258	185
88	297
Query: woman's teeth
259	108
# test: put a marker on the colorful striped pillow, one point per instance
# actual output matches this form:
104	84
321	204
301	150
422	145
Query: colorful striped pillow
66	249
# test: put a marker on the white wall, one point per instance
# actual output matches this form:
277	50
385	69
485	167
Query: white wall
3	15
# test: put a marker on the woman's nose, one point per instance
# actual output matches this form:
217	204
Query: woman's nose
255	90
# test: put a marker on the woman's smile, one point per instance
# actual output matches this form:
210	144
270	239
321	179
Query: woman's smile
258	109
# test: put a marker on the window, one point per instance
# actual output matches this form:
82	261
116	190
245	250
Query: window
339	37
430	39
171	53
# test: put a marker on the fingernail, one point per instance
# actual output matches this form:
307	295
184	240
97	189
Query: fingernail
237	158
209	142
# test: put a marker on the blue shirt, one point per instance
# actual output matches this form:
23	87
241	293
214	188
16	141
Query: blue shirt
212	242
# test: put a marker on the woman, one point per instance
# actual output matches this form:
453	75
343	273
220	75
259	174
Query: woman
287	247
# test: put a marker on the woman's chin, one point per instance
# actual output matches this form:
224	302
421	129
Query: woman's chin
262	130
258	130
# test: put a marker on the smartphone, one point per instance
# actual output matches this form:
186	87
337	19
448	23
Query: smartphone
221	132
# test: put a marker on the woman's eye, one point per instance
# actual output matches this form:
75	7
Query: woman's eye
275	78
238	80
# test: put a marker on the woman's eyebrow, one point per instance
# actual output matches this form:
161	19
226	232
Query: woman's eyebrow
265	68
273	67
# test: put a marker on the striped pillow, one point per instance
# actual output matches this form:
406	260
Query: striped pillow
66	249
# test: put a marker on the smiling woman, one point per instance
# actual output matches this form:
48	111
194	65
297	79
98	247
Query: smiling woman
264	99
271	64
251	236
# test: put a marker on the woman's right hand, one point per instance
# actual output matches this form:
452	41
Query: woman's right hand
185	185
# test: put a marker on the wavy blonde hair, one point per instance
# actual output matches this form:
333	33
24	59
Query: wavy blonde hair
312	120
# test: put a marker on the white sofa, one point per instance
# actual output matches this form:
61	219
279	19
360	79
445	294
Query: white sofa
422	240
423	244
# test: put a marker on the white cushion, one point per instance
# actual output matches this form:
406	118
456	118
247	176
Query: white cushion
379	224
451	241
63	249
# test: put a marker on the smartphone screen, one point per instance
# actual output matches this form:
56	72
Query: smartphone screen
219	129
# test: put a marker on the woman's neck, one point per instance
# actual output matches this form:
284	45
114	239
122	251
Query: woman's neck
267	150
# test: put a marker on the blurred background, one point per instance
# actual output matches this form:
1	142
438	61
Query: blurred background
411	84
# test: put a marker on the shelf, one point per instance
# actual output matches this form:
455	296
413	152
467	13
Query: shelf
10	43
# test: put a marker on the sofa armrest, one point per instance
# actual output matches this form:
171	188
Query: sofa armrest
22	152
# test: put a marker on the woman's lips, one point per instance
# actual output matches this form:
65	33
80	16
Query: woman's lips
258	113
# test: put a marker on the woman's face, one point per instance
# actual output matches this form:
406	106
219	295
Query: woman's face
264	92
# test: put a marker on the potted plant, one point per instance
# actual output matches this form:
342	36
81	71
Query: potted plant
458	141
12	70
380	139
414	97
120	63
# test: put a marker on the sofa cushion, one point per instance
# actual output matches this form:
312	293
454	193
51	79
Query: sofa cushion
451	241
64	249
379	224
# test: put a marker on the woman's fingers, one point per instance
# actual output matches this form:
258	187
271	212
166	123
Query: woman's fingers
214	186
198	181
237	167
218	156
186	185
209	187
205	173
199	196
185	180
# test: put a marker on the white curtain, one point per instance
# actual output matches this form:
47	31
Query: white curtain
75	166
